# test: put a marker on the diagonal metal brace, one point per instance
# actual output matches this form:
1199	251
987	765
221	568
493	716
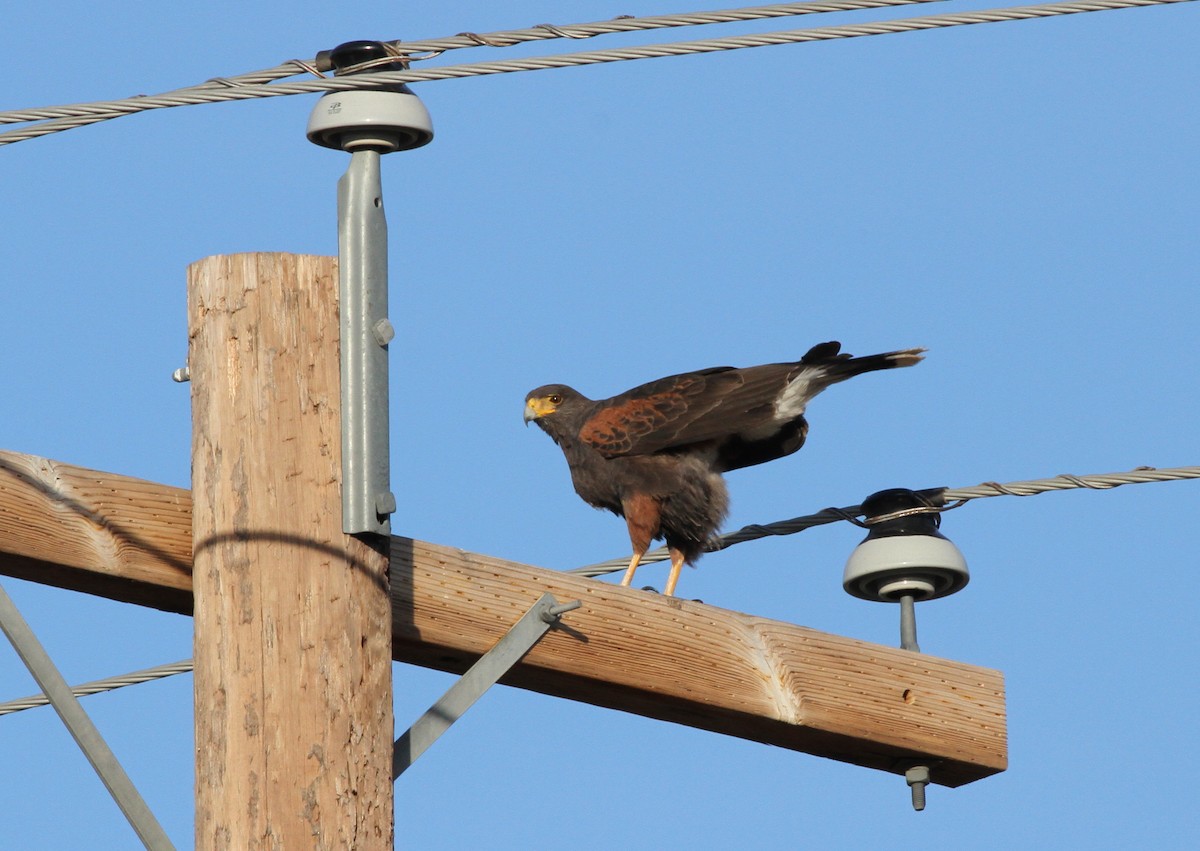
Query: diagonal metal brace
482	675
81	727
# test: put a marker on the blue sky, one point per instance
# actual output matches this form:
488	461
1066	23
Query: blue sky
1020	198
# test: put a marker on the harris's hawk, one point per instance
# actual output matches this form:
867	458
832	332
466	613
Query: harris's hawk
655	454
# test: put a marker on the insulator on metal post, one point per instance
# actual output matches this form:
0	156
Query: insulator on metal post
905	559
388	118
366	123
904	554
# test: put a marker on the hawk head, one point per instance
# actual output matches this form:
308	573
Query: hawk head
551	399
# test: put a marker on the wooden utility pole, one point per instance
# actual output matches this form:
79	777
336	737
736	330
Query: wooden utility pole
292	617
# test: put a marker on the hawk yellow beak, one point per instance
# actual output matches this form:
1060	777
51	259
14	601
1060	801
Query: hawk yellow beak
537	407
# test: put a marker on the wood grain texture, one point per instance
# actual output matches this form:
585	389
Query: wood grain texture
699	665
666	658
292	658
103	534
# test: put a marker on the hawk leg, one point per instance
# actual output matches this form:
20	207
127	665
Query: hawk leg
642	515
629	571
677	561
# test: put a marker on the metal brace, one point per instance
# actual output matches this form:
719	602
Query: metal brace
97	751
367	499
482	675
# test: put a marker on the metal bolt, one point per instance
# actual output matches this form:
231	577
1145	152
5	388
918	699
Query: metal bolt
552	614
384	331
917	777
182	375
385	503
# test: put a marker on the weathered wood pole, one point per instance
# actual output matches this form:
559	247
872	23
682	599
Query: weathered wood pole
292	618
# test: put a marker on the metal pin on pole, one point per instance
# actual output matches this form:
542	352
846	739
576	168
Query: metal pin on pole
367	123
367	500
908	623
905	559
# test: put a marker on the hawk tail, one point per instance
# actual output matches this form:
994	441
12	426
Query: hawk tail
838	366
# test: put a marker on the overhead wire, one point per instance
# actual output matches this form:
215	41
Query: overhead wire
145	675
58	119
955	497
411	50
630	23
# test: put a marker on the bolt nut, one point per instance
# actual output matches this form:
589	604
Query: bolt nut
384	331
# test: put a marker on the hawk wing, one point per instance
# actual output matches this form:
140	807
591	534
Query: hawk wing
687	409
748	415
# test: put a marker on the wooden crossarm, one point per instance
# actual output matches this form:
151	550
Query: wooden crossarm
676	660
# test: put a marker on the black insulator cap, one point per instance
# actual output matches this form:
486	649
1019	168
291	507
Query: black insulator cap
356	52
886	502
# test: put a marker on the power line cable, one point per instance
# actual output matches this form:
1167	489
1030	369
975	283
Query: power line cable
98	686
629	23
81	114
954	496
436	46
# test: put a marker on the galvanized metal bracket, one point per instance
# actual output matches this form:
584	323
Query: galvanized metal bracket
367	499
479	678
97	751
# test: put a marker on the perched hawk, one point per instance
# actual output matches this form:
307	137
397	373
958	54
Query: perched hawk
655	454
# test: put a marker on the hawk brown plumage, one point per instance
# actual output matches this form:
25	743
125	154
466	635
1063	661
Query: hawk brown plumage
655	454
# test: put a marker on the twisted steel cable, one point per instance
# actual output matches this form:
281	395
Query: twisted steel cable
78	115
103	110
954	496
107	684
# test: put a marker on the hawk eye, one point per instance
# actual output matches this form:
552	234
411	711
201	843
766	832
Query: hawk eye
555	399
